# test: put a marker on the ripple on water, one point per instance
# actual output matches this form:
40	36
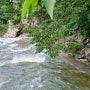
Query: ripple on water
16	48
40	57
46	74
4	41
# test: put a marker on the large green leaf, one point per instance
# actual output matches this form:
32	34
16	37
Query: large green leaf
30	5
49	4
33	6
25	8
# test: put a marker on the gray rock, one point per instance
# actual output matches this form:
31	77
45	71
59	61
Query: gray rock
87	53
13	30
79	56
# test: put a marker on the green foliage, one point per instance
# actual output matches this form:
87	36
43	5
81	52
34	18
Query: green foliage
16	14
7	12
30	5
49	4
47	36
71	17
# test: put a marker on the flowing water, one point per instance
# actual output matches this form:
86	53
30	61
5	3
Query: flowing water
21	68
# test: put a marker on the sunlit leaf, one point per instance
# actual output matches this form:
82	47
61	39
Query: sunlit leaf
30	5
25	8
49	4
33	6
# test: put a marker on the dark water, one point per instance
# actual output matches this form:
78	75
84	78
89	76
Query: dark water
23	69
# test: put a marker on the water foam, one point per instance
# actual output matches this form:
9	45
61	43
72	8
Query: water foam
22	54
3	63
13	45
3	80
39	58
9	40
36	82
18	49
4	41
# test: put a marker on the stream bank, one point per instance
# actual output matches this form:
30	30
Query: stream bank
83	66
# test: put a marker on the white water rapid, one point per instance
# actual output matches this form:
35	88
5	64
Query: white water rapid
15	50
21	68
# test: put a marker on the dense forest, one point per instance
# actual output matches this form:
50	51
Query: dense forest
55	30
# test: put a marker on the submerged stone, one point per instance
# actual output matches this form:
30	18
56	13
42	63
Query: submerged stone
79	56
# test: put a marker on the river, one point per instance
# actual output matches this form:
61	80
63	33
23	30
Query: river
21	68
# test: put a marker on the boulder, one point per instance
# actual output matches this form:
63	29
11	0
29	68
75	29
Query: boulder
13	30
82	40
79	39
87	53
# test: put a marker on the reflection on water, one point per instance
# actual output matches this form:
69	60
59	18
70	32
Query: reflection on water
23	69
